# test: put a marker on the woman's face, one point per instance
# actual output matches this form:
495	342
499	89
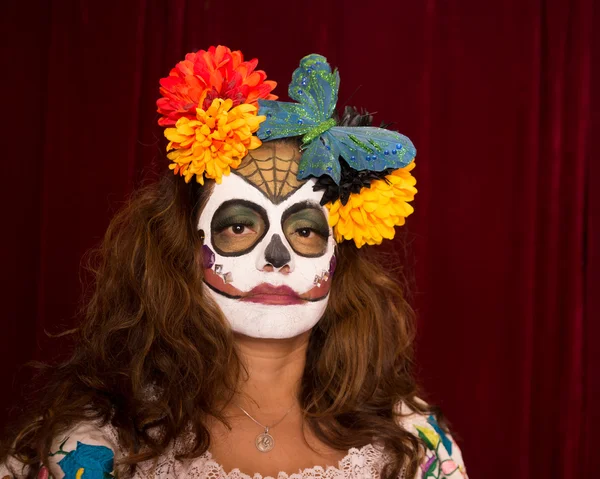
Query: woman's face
268	248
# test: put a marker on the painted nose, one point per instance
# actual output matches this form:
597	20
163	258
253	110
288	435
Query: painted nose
276	253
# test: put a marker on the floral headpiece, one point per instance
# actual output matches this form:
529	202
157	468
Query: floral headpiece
210	101
216	102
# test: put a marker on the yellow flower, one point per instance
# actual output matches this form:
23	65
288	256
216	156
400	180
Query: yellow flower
370	216
216	141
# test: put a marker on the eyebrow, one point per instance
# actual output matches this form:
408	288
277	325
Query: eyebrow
301	206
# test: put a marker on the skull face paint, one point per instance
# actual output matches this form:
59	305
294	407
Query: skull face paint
268	248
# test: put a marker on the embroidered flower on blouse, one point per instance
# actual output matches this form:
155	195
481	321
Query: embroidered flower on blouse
43	474
438	463
86	462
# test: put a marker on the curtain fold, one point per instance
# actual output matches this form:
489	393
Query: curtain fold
497	97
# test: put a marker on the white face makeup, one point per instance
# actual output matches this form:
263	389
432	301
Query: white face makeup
268	266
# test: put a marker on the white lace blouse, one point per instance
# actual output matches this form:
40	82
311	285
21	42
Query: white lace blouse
88	452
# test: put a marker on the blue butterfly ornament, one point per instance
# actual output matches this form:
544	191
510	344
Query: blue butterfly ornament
315	89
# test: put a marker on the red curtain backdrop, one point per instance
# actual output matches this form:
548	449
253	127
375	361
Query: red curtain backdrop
495	95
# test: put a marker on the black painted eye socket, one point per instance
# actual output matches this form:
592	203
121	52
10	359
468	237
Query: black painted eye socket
237	226
306	229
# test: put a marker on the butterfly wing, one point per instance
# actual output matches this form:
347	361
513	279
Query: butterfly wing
363	148
283	120
316	87
318	158
370	148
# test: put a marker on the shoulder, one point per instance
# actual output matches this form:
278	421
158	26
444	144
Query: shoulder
443	458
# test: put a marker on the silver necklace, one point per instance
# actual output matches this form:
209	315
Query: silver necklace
264	442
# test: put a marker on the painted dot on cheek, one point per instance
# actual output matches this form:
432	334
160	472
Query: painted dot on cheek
208	257
332	265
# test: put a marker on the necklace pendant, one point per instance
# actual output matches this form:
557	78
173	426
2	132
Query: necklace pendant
264	441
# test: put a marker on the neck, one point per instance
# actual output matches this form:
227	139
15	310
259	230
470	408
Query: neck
275	368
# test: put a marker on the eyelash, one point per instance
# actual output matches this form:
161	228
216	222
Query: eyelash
219	227
222	226
314	230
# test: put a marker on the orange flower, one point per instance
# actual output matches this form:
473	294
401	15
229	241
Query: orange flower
214	142
370	216
206	75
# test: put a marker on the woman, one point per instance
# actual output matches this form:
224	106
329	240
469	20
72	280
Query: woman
240	326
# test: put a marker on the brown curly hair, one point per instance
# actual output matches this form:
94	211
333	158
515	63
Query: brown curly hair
148	322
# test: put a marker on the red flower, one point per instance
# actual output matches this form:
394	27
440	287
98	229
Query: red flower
43	474
206	75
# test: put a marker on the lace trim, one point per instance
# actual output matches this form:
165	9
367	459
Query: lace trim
359	463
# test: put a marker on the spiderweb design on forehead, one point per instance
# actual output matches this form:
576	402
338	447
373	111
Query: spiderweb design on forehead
272	169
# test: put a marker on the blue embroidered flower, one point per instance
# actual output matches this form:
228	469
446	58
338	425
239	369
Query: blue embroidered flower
87	462
445	440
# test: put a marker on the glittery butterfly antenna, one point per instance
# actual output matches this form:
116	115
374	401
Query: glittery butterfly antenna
315	87
369	167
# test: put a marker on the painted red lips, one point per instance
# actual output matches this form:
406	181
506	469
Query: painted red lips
268	294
